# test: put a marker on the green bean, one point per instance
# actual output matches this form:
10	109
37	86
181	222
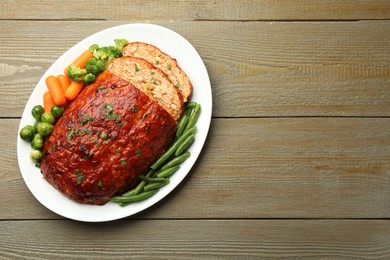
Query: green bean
155	186
151	180
168	172
135	190
139	187
182	125
138	197
188	132
191	105
177	160
173	148
193	117
186	143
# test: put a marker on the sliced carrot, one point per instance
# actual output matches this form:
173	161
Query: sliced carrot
54	87
73	90
64	82
48	102
80	61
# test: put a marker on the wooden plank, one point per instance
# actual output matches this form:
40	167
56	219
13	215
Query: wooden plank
278	68
197	239
259	168
199	10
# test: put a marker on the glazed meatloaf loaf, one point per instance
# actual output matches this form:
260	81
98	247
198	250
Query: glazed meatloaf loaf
162	61
108	136
150	80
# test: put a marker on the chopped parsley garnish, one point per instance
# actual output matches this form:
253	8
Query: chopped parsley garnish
135	109
120	123
107	141
153	72
123	162
100	184
53	147
157	62
178	85
138	152
154	81
80	177
104	136
112	116
86	130
85	119
77	131
169	66
136	67
109	107
99	89
70	135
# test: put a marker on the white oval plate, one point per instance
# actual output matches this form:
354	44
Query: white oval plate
188	59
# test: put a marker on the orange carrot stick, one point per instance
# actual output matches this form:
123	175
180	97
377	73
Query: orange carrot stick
55	90
48	102
80	61
64	82
73	90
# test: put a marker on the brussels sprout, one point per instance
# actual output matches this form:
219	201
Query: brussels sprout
48	118
57	111
36	126
27	133
37	111
45	128
36	155
37	142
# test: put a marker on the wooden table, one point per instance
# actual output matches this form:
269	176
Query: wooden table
296	163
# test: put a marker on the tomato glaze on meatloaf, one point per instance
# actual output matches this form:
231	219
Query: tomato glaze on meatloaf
105	139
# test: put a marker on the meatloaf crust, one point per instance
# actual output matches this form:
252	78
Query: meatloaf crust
108	136
162	61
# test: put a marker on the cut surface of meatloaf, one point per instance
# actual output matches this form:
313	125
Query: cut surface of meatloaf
105	139
150	80
162	61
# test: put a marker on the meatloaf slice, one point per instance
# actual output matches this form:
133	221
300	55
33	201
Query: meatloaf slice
108	136
150	80
162	61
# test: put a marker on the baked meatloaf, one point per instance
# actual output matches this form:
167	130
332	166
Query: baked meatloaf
162	61
108	136
150	80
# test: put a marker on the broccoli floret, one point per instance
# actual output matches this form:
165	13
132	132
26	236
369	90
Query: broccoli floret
75	73
88	78
120	43
107	53
93	47
95	66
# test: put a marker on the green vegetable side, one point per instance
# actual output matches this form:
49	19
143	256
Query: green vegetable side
37	133
96	65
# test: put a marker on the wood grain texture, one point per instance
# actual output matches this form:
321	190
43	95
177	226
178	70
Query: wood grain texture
196	239
296	164
260	168
197	10
278	68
